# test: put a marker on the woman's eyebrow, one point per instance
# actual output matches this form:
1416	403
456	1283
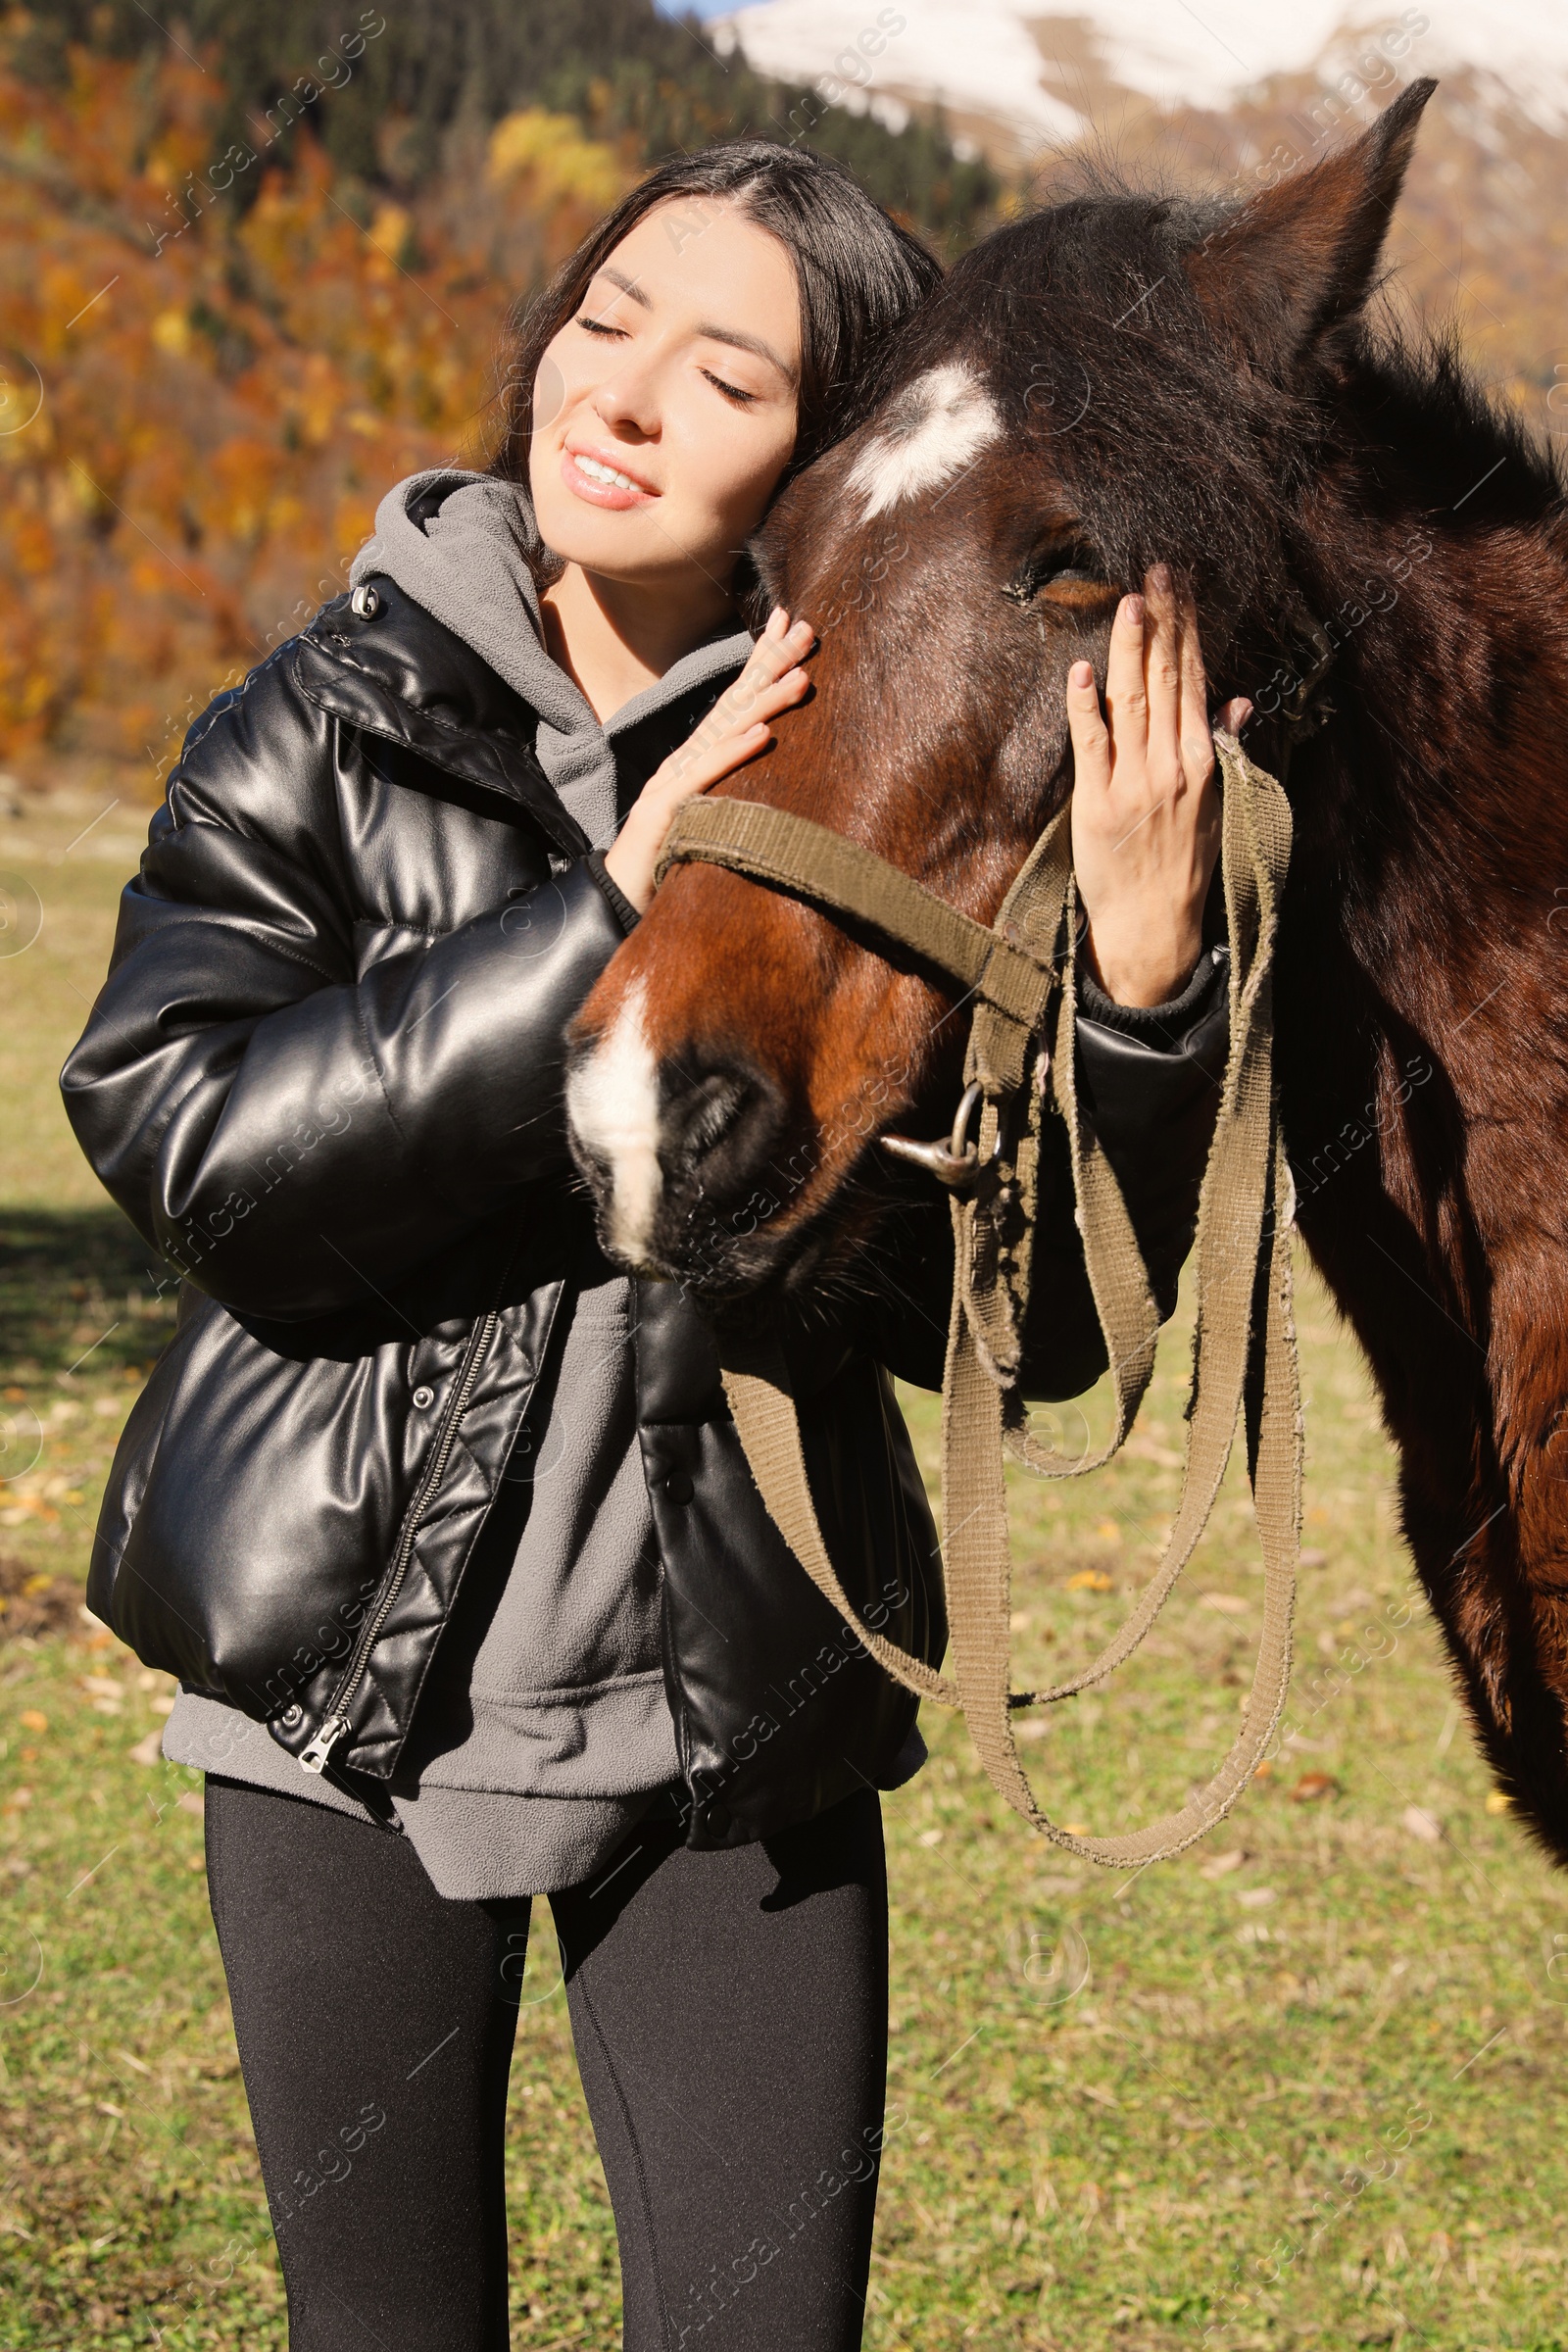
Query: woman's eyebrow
628	285
714	333
744	342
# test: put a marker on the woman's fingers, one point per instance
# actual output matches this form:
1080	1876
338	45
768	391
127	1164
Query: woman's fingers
782	644
1126	698
727	746
1086	723
1194	687
1197	742
717	739
781	695
739	717
713	751
728	737
707	763
1162	672
1146	830
734	731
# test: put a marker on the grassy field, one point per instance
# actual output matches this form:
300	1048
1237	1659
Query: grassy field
1295	2089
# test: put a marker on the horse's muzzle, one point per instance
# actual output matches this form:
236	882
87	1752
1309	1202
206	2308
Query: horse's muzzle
680	1156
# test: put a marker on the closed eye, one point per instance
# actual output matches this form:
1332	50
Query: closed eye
742	400
597	326
1069	575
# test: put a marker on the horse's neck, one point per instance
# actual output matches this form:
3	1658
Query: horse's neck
1444	833
1421	991
1421	1000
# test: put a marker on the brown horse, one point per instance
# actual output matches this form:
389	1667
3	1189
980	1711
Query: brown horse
1381	562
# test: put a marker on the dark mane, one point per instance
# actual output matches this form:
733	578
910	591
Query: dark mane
1412	389
1085	322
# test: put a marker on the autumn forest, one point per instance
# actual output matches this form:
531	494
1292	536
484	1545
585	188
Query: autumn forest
259	264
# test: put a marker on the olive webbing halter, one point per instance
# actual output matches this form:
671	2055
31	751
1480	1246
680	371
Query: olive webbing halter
1243	1345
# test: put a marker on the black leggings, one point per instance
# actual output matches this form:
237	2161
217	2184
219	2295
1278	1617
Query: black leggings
729	2012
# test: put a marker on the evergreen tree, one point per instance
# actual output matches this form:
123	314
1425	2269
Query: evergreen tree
618	64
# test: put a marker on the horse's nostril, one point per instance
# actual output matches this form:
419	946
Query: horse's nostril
712	1111
719	1126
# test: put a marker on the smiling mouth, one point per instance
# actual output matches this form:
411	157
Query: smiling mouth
604	474
602	484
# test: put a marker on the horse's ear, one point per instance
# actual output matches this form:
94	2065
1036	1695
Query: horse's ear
1296	262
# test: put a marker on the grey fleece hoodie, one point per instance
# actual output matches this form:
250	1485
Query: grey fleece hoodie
537	1751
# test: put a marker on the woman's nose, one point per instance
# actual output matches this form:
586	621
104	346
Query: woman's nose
628	402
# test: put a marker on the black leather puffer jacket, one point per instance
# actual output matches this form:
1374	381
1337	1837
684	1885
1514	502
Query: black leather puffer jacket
324	1079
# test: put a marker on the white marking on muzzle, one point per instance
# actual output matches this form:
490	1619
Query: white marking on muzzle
612	1104
932	431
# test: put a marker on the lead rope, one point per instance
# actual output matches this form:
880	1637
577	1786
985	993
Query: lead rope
1244	1343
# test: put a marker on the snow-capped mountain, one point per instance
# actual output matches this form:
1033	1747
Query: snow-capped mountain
1022	78
1225	93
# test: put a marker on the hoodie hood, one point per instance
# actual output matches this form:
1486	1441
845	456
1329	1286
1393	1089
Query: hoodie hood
463	545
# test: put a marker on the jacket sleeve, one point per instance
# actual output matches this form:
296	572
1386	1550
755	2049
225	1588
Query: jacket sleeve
290	1132
1148	1083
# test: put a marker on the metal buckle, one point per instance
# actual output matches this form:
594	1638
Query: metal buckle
956	1163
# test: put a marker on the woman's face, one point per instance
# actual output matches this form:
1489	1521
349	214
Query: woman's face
664	410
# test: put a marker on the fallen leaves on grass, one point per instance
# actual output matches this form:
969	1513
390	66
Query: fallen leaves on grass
34	1494
1090	1580
1311	1785
1422	1824
37	1603
1219	1866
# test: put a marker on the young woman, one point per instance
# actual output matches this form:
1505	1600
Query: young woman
438	1517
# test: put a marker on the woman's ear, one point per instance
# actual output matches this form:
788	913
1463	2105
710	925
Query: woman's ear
1287	268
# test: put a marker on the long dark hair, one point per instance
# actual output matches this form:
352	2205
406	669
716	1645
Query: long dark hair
859	274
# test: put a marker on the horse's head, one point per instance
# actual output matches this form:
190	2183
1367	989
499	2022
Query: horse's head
1112	382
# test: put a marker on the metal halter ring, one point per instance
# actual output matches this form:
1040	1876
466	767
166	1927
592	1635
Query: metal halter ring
957	1162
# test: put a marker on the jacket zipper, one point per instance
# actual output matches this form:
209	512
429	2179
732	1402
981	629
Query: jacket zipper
335	1724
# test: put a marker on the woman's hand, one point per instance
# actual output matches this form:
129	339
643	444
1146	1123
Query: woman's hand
1146	820
734	731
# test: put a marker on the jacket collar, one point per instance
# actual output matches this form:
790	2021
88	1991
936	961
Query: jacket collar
398	672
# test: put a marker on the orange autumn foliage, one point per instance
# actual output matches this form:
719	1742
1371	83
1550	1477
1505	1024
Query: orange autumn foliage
200	406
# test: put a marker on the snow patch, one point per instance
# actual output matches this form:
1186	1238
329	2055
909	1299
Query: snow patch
986	57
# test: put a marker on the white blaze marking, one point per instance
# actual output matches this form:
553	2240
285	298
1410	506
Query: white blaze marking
613	1100
934	426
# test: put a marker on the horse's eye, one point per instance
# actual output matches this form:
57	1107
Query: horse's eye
1068	576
